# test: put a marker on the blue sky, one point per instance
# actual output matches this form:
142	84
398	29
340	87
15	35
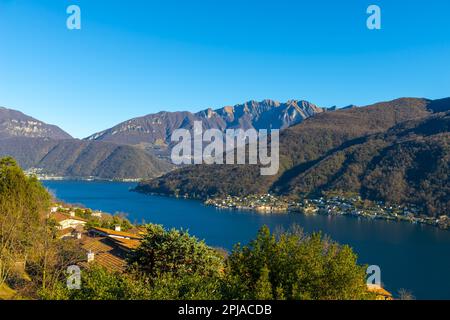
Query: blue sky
135	57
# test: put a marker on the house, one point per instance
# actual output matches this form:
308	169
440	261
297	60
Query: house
97	214
103	232
109	248
71	232
310	209
67	222
54	209
379	291
103	252
127	245
65	233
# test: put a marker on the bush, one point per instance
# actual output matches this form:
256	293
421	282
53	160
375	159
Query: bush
174	252
294	266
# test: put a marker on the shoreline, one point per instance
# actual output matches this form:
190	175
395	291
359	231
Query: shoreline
310	207
87	179
442	223
294	212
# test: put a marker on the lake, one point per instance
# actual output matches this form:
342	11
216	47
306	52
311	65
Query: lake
414	257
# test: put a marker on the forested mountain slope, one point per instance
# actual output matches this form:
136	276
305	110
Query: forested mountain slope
80	159
314	156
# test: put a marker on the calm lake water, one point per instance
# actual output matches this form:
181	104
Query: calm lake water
413	257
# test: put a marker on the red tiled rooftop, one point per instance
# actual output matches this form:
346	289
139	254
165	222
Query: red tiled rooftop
117	233
58	216
105	253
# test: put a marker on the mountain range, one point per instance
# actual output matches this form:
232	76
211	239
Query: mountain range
51	151
135	149
396	151
153	131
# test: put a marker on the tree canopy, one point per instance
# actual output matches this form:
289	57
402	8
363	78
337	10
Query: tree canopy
174	252
24	203
293	265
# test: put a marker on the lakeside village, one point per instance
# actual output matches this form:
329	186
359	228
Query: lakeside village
329	204
43	176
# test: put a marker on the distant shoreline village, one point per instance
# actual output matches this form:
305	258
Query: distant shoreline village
40	175
329	205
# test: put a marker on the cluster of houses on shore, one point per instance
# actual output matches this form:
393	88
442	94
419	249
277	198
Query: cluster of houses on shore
331	205
355	206
265	203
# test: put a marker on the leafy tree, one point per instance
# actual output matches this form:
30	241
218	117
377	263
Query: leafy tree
109	222
49	264
263	287
175	252
290	265
187	287
100	284
294	266
24	203
28	238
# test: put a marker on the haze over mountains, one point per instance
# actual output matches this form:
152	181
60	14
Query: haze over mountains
395	151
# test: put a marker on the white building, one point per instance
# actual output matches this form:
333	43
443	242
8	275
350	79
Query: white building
66	221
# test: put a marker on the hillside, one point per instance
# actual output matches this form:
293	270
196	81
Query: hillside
80	159
407	164
118	265
154	130
38	145
16	124
309	146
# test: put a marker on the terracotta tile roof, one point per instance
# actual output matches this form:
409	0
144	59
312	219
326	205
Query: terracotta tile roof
116	233
107	261
58	216
105	253
379	291
128	244
138	230
64	232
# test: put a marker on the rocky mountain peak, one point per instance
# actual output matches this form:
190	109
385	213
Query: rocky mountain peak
158	127
16	124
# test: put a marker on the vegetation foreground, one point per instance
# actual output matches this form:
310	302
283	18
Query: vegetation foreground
167	264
